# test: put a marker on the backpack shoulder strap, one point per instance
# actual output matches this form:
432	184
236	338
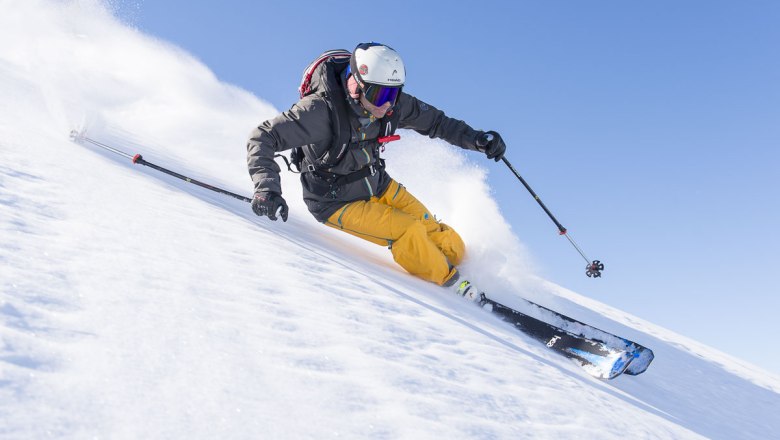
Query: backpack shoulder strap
331	88
389	125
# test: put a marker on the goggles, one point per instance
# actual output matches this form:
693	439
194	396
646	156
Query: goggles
379	95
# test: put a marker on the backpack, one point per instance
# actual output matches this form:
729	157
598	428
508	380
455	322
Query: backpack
321	77
326	67
336	56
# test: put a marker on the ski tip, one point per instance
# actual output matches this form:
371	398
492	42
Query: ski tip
76	135
642	359
621	364
604	367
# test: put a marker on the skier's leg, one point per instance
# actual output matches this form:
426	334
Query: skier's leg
407	237
446	238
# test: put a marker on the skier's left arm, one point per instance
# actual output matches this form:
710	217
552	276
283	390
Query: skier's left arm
432	122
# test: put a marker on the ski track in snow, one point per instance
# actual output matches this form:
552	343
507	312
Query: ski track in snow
133	305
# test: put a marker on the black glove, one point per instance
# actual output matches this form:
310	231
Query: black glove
267	203
491	144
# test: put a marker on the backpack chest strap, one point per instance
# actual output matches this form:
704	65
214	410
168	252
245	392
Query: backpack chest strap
344	179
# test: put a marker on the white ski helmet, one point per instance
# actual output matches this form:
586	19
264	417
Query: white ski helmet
375	63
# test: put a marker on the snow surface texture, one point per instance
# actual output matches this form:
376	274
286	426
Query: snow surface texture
134	306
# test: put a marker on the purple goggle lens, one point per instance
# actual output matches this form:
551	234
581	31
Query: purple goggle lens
379	95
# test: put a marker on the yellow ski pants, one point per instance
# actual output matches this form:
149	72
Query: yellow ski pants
418	242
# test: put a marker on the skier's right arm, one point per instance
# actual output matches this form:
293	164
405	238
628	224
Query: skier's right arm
307	122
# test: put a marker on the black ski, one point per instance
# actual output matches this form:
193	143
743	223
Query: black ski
598	358
643	356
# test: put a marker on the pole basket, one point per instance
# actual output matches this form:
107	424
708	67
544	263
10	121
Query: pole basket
594	269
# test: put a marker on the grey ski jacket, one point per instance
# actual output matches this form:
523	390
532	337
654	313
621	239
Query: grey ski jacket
308	124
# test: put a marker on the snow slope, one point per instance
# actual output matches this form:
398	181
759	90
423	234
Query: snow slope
137	306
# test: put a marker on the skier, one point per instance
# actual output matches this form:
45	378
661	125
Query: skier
345	184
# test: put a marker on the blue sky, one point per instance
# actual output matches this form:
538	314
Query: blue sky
650	129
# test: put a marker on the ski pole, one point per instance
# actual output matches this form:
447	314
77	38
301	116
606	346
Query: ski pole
138	159
594	268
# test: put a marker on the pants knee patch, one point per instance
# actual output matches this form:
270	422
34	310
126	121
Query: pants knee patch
450	243
420	256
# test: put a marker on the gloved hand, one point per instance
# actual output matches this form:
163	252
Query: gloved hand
268	203
491	144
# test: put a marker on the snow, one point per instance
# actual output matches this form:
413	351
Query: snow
134	305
